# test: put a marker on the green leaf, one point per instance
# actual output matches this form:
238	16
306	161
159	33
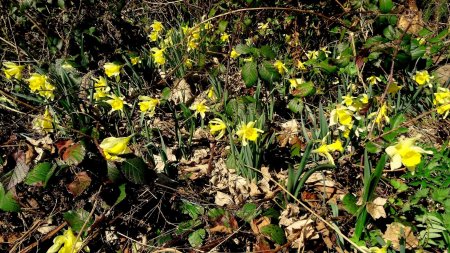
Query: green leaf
268	72
440	36
375	41
325	65
390	33
305	89
385	6
398	185
77	218
397	120
74	154
250	74
165	94
440	195
417	51
275	233
243	49
349	202
135	169
372	148
7	201
391	136
215	213
187	225
267	52
223	25
191	209
296	105
248	212
196	238
41	173
113	171
122	195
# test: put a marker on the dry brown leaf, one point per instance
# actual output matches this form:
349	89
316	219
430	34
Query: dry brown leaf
323	229
223	199
376	208
411	21
395	231
194	171
289	131
289	215
442	74
79	184
181	92
301	231
226	224
261	245
257	224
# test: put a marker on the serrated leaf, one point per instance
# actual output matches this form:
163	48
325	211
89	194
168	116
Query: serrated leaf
134	169
399	185
187	225
192	209
196	238
267	52
268	72
215	213
40	174
325	65
74	154
243	49
250	74
20	171
372	148
349	202
385	6
7	201
275	233
77	218
248	212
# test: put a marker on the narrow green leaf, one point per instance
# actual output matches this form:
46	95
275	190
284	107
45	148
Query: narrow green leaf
122	195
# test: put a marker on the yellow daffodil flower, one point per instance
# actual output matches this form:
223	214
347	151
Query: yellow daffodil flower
234	54
373	80
326	149
300	65
379	250
442	101
114	146
422	77
148	105
117	103
67	243
341	115
157	26
101	88
47	90
153	36
381	115
135	60
199	108
211	94
248	132
188	63
325	51
347	100
394	88
406	153
44	123
312	54
262	27
36	81
279	65
217	125
294	83
158	55
13	70
100	83
225	37
112	69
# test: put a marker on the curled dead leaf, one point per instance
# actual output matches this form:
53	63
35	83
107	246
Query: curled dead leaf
376	208
223	199
395	231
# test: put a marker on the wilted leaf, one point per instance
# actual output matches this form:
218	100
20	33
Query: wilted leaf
257	224
304	89
376	208
74	154
79	184
77	218
20	171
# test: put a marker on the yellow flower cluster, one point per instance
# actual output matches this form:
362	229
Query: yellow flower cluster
157	28
101	88
442	101
148	105
326	149
112	69
345	112
158	55
44	122
248	132
423	78
40	84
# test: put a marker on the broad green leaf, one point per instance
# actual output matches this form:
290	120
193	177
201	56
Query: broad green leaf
165	94
77	218
39	174
135	169
187	225
191	209
7	201
113	171
275	233
223	25
296	105
390	33
417	51
349	202
196	238
250	73
305	89
248	212
385	6
243	49
325	65
268	52
390	137
215	213
268	72
440	195
74	154
372	148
